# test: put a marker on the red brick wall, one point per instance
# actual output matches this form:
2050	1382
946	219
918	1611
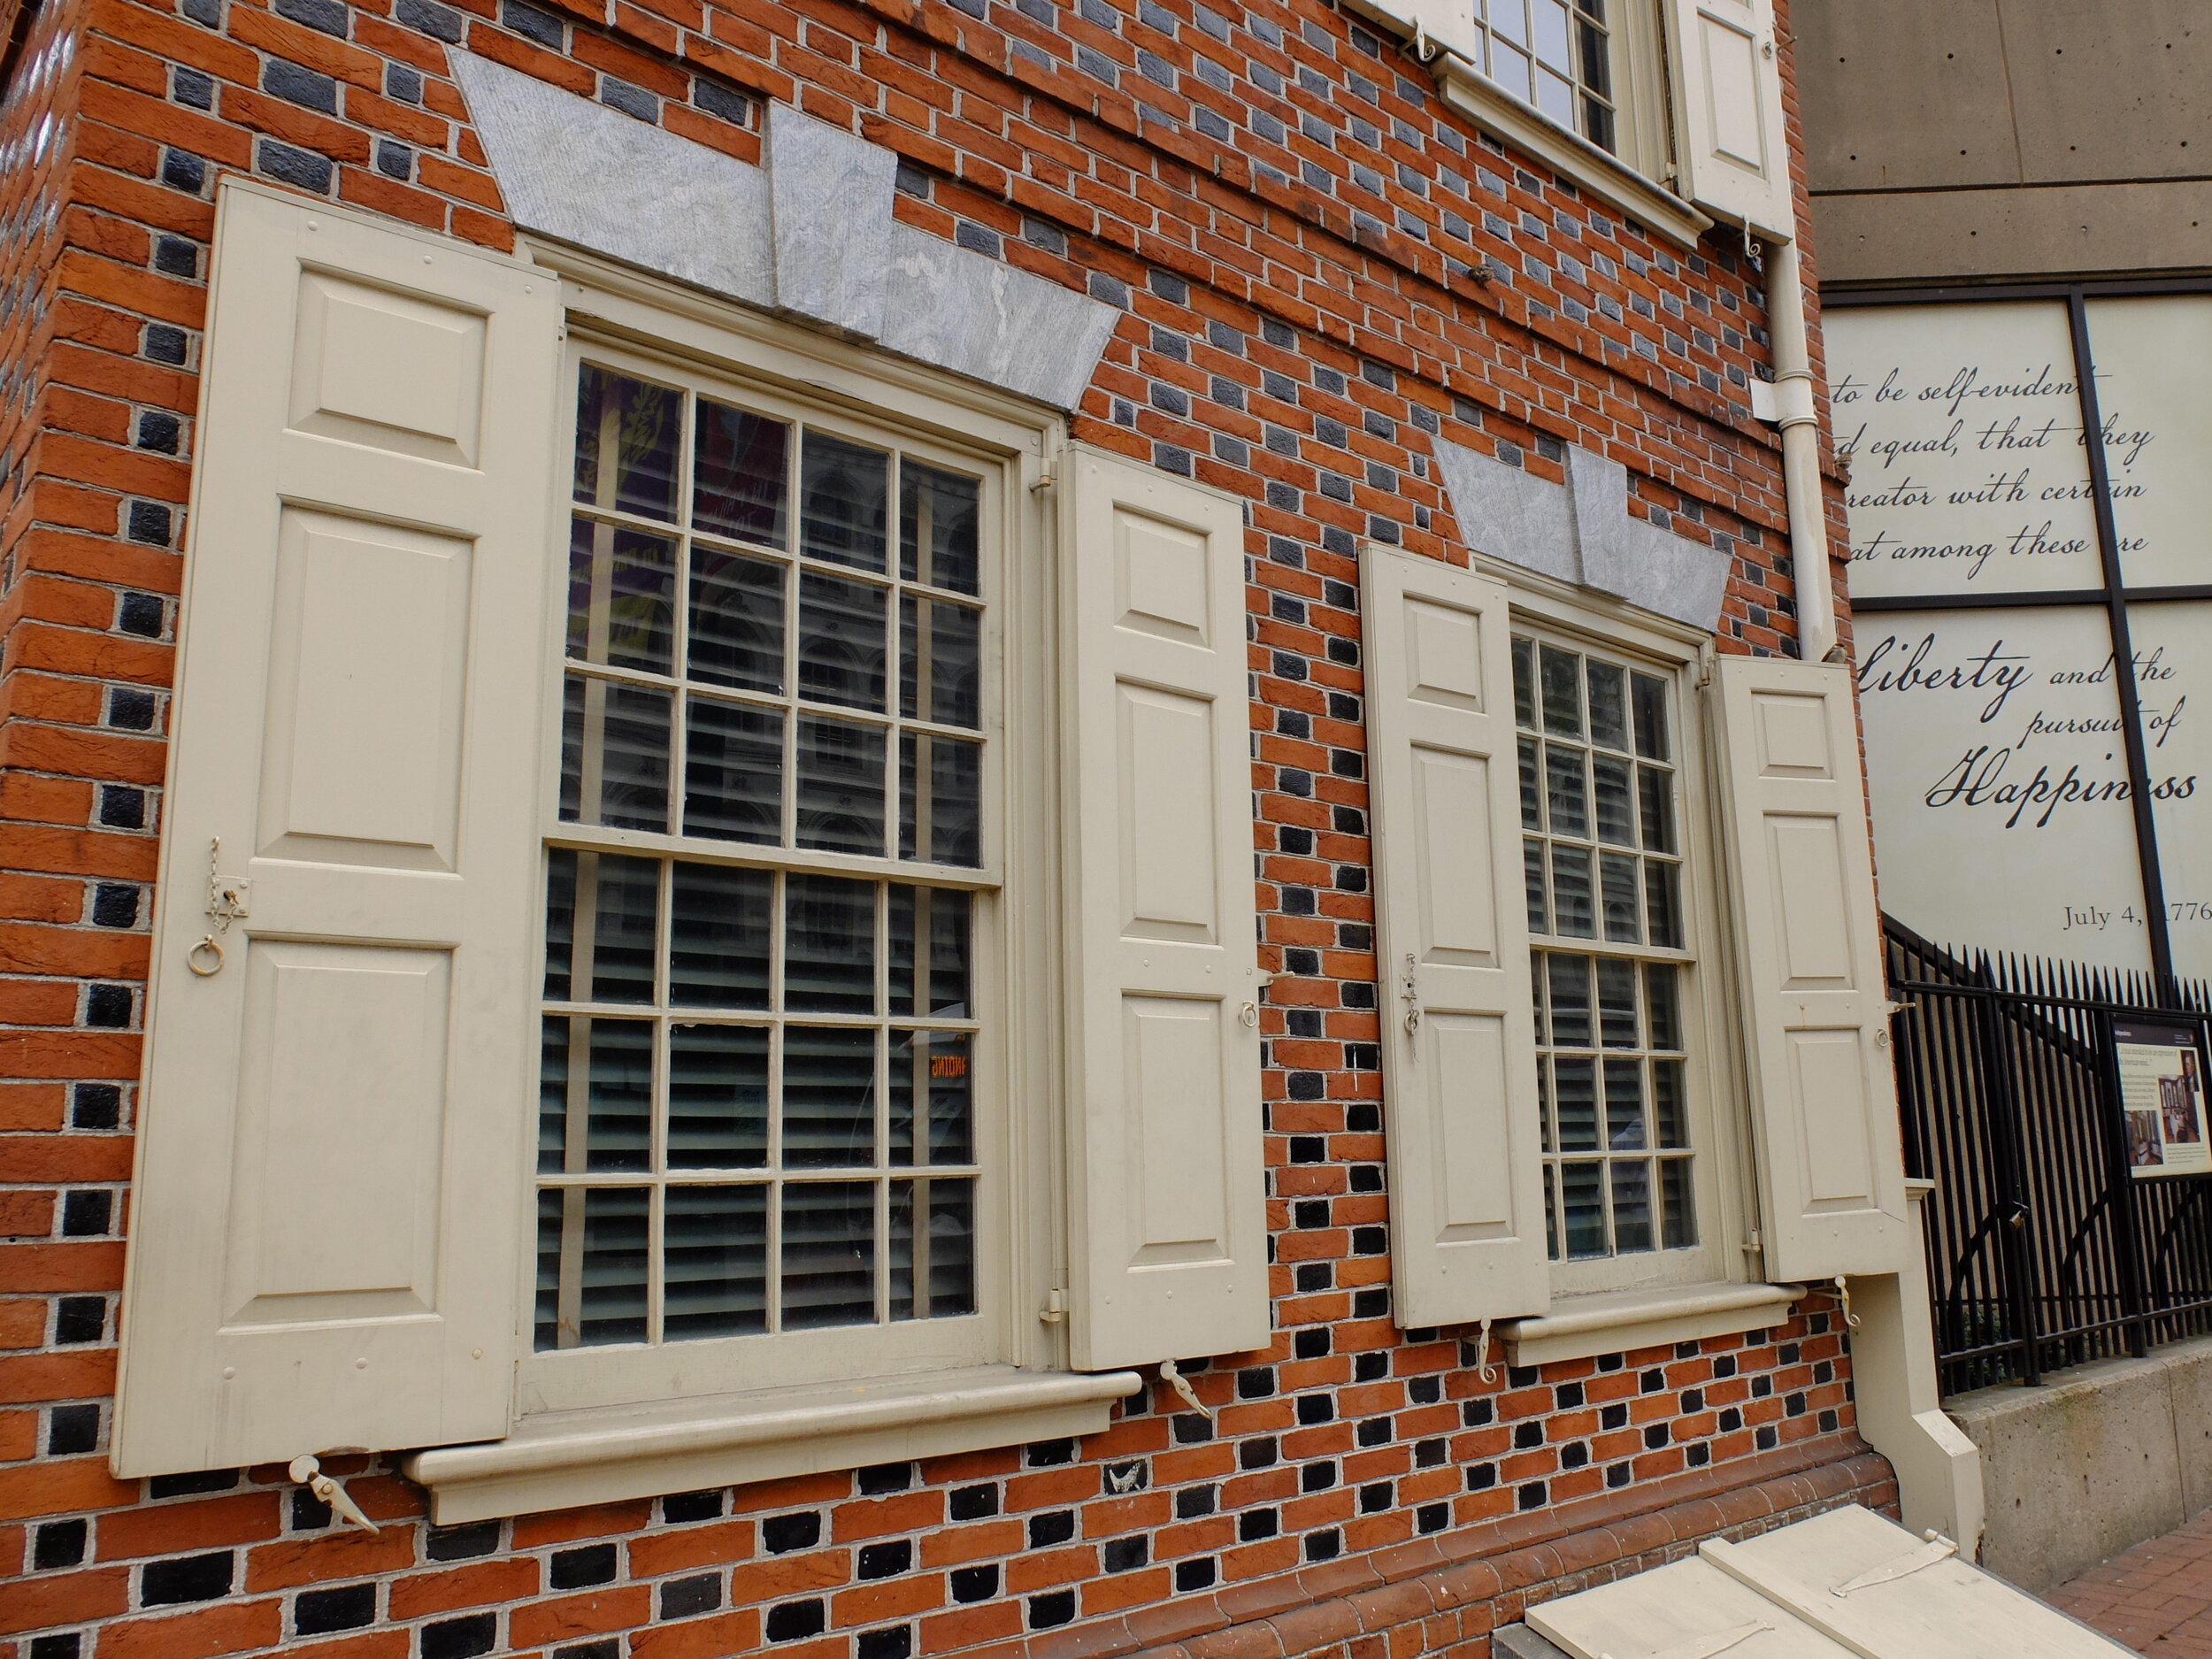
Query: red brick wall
1300	317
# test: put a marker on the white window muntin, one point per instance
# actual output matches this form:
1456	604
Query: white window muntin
597	1372
1555	56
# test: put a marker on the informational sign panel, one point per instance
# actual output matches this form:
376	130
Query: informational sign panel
2003	808
2161	1098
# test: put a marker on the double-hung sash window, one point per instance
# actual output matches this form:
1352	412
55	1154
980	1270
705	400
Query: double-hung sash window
1601	856
767	882
1556	55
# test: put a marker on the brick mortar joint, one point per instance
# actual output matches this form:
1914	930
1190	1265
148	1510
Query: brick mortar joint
1862	1468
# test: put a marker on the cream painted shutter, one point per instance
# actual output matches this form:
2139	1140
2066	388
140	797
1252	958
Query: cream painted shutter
1169	1237
1448	24
1458	1032
1730	146
1815	1004
325	1230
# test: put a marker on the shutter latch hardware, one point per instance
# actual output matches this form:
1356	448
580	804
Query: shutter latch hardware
225	904
309	1473
1937	1548
1176	1380
1055	1309
1410	990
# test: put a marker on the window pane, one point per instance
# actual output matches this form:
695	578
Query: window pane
616	958
1562	693
1575	1085
840	785
1619	876
1650	699
1625	1106
1569	1000
1631	1206
1565	796
560	921
937	527
1533	870
718	927
1531	787
1617	1003
842	501
621	596
941	808
738	473
829	1096
1657	790
625	443
936	920
829	944
829	1254
1616	802
930	1088
1662	903
939	1255
1509	18
1670	1106
592	1265
1597	63
939	655
1549	19
614	755
718	1096
1510	67
1524	682
1572	898
1597	121
843	652
733	771
1582	1206
595	1094
1680	1215
1662	1007
736	621
714	1263
1555	96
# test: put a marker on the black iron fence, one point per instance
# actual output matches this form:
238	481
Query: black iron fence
2044	1248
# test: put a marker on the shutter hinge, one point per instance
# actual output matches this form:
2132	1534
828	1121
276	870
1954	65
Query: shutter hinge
1753	1246
1056	1308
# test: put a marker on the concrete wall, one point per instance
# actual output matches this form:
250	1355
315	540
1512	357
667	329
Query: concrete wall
2101	1459
1976	139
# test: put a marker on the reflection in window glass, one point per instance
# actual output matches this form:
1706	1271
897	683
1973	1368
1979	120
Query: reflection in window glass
1604	879
758	1079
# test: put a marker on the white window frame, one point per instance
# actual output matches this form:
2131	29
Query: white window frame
636	323
1604	1304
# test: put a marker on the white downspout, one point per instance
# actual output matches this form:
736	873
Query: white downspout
1789	404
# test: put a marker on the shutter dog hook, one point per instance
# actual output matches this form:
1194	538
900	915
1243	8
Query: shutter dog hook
309	1473
1176	1380
1484	1368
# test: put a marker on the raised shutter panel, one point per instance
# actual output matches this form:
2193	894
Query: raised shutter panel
1816	1007
1730	146
1168	1211
1459	1081
326	1217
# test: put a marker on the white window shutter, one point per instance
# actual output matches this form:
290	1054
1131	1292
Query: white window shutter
1446	24
1730	147
1169	1244
1808	946
1458	1027
326	1220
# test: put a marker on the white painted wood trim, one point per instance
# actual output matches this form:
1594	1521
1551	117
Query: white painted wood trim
1617	1321
560	1459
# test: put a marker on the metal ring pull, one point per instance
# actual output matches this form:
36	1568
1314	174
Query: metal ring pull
192	957
1250	1015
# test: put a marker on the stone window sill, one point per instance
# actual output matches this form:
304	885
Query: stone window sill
1619	1320
557	1460
1598	173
